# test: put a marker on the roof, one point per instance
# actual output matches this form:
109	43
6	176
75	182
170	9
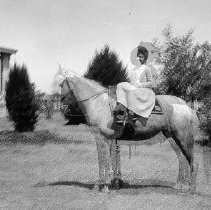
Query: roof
7	50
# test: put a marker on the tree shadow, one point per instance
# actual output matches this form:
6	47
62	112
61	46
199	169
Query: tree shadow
39	137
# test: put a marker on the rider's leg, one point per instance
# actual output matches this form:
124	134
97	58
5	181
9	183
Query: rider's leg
120	113
122	92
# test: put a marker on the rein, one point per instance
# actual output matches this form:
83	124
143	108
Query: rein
91	97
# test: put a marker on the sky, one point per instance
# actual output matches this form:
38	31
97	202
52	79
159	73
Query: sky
47	33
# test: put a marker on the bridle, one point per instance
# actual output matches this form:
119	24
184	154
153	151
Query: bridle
91	97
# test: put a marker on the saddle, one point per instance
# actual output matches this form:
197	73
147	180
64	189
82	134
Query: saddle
128	117
158	107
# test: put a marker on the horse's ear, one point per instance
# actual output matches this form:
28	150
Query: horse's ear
73	73
61	84
76	76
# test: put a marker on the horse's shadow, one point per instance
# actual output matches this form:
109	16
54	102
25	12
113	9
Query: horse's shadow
146	186
154	185
89	186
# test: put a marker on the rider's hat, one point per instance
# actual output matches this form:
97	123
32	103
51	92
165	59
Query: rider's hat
152	53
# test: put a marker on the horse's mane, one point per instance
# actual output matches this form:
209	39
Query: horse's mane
99	87
93	83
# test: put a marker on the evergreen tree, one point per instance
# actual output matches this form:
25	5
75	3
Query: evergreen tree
20	99
106	68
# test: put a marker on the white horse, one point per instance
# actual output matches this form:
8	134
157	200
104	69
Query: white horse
176	122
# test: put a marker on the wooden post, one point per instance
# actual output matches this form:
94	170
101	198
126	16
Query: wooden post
129	151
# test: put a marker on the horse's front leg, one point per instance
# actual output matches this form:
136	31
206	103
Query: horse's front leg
104	163
117	182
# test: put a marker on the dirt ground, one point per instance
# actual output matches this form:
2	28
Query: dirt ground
56	167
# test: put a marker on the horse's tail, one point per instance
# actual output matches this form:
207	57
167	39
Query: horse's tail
182	128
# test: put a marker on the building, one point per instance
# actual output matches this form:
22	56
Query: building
5	54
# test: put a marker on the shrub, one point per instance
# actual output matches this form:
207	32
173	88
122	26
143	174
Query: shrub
206	109
20	99
177	56
184	63
39	98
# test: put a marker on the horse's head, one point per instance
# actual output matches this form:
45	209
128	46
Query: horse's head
82	90
67	85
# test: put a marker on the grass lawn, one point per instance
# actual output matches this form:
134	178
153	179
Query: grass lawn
55	167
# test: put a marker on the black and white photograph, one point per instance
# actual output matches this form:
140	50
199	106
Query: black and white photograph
105	104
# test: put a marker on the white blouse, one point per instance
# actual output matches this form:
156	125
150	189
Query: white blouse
136	74
141	77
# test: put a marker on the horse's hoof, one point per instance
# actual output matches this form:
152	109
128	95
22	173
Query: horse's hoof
194	177
117	183
184	187
178	186
96	187
192	188
105	188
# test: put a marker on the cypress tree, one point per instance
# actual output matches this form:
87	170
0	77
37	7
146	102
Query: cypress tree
106	68
20	99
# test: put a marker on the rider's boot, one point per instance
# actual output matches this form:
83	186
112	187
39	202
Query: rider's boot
120	114
132	116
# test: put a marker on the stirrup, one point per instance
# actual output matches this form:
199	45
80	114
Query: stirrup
157	109
120	119
133	115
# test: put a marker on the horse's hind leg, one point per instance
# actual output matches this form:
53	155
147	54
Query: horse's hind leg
184	140
181	129
184	172
187	176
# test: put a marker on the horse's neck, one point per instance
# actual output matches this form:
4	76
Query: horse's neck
96	109
86	88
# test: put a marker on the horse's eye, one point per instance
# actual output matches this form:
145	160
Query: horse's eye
62	98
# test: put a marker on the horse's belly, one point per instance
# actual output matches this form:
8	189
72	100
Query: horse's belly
150	128
138	133
143	134
143	129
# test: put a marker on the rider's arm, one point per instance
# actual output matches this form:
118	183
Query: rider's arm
149	81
